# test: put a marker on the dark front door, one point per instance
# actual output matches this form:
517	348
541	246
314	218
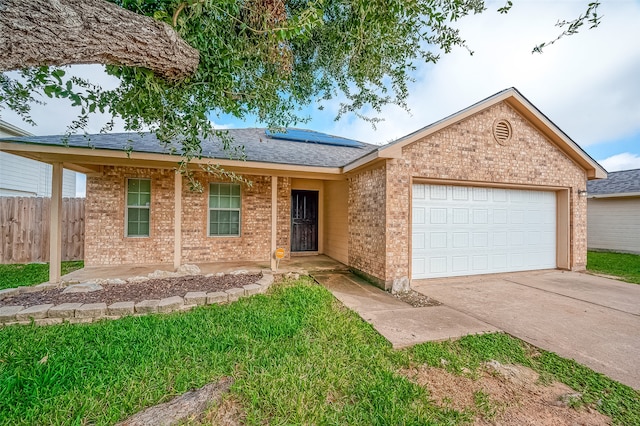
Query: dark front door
304	220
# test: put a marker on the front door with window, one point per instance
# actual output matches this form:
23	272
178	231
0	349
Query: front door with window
304	221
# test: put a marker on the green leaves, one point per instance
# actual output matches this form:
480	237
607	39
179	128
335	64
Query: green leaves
572	27
269	59
506	8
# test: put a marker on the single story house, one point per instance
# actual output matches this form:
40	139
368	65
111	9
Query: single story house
496	187
613	212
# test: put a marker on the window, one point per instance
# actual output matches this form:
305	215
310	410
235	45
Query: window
224	209
138	201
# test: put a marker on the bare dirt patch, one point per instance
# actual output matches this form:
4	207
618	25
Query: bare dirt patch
417	300
229	413
509	395
136	292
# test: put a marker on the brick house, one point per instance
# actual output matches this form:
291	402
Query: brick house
496	187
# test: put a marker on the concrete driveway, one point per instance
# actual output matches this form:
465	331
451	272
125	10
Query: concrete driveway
594	320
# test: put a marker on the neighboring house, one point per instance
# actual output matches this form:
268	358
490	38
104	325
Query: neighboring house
493	188
613	212
22	177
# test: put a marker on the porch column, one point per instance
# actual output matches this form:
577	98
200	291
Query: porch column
274	221
177	220
55	225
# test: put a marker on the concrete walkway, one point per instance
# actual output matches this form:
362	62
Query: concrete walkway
591	319
399	322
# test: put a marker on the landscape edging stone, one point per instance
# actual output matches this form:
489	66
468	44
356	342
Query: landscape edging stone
77	313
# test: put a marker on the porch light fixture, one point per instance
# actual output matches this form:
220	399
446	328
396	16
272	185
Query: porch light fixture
582	193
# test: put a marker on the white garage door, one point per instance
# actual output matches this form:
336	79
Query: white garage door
460	230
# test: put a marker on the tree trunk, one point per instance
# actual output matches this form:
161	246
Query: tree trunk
65	32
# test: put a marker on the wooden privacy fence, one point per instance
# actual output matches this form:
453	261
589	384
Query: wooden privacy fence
24	229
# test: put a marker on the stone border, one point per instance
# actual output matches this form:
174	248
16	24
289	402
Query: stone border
78	313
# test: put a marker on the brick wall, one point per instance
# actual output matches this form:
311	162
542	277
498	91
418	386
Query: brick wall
465	151
283	236
254	242
398	229
105	241
367	236
105	221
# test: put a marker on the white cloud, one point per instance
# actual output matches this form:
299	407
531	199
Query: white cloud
624	161
587	84
56	115
222	126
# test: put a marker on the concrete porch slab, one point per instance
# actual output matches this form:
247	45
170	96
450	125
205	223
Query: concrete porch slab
400	323
299	264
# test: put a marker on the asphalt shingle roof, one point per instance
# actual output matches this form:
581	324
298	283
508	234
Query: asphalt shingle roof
621	182
257	147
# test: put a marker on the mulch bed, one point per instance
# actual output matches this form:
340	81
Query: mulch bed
417	300
137	292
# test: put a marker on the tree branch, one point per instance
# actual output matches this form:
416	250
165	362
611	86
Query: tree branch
65	32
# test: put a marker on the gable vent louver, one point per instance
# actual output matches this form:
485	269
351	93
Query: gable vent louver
502	131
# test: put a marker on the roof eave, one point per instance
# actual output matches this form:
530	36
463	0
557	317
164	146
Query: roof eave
615	195
13	130
86	159
557	136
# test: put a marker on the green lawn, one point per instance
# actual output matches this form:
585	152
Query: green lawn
17	275
625	266
297	356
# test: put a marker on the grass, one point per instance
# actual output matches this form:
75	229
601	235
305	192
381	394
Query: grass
297	357
17	275
623	265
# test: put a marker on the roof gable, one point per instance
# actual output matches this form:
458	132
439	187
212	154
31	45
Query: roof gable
521	105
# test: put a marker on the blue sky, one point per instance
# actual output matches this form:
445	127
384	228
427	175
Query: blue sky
587	84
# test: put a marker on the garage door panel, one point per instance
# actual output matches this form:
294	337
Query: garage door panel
418	266
419	215
467	230
460	263
460	240
438	265
500	239
480	194
500	216
419	192
499	261
438	240
437	216
500	195
437	192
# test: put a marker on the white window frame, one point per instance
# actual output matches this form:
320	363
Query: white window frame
210	209
127	207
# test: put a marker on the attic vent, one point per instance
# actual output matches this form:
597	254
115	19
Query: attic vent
502	131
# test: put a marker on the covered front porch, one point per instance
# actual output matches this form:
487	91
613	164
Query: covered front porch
301	209
295	264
